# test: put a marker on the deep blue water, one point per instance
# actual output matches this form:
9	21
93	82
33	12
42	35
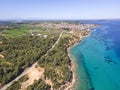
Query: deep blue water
98	57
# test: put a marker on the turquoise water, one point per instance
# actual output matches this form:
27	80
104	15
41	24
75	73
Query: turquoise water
98	58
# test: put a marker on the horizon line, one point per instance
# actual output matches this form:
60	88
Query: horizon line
57	19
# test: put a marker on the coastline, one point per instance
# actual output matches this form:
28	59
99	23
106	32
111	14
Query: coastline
73	67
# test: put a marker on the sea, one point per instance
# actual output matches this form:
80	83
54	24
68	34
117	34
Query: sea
98	57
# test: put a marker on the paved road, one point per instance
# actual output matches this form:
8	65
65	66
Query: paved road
26	71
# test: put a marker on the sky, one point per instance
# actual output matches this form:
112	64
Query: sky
59	9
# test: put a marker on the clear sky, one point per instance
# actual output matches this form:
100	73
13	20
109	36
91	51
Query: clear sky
59	9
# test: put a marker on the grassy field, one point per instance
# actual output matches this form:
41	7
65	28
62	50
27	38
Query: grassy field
17	32
26	30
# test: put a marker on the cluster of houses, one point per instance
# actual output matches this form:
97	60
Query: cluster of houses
66	26
70	27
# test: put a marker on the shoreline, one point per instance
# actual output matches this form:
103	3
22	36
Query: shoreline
73	67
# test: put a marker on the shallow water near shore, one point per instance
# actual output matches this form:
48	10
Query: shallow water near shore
98	58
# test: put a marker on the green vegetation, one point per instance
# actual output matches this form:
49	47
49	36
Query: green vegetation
22	51
39	85
24	78
56	64
16	31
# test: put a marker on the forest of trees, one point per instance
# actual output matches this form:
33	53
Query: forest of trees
57	63
20	53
